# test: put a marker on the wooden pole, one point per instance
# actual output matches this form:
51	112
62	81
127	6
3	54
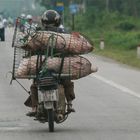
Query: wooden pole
138	51
73	22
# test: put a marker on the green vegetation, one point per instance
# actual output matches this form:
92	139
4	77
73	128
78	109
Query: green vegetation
115	21
121	34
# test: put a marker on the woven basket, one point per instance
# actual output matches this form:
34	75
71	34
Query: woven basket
73	43
75	66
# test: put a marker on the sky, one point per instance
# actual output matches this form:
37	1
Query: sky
16	7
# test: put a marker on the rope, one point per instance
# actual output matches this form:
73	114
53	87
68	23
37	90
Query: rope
23	87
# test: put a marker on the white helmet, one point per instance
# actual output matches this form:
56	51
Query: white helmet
29	17
22	15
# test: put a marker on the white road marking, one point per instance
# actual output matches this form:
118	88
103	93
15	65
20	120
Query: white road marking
9	128
118	86
12	126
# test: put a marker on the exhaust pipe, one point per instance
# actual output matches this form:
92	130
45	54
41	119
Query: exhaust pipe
60	117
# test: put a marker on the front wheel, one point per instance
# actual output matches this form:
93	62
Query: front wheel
51	120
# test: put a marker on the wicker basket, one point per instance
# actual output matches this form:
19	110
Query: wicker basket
45	44
76	66
73	43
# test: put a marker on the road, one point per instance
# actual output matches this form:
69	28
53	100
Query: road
107	104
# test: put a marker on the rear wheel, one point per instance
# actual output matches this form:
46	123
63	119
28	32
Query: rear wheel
51	120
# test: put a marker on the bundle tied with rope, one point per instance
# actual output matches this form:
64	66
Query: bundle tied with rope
75	43
76	66
69	47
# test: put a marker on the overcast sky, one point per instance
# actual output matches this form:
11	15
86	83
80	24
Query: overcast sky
16	7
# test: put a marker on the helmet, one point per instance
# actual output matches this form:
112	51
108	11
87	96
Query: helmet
29	17
50	18
22	15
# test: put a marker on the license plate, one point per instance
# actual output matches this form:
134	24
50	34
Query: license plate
50	95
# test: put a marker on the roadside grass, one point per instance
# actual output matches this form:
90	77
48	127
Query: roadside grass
120	46
119	32
128	57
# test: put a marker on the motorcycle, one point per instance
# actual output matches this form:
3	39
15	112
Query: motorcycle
52	105
44	61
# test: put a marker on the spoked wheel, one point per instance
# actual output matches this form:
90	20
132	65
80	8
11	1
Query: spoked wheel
51	120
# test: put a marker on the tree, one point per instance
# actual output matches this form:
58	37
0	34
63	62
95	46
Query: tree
46	3
128	7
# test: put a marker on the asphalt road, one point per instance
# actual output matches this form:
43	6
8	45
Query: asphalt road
107	104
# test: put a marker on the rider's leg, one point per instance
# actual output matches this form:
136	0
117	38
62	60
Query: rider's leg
69	93
34	99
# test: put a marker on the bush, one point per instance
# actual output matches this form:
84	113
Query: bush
122	40
126	26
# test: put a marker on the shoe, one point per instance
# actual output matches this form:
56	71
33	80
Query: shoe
31	114
70	109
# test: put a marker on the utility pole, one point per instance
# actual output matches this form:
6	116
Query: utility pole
107	5
73	11
73	22
84	6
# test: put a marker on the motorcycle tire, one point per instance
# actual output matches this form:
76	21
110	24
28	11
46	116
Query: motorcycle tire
51	120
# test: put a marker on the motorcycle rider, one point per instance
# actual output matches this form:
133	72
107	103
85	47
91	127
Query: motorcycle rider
51	21
30	27
22	22
2	29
